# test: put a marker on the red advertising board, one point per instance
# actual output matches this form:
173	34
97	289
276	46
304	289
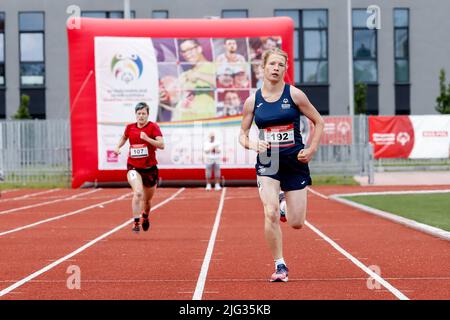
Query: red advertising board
391	136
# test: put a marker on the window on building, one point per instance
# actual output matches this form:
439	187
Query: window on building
310	45
106	14
315	46
32	60
295	16
2	66
401	54
364	49
234	14
365	57
401	45
117	15
160	14
311	54
2	49
94	14
31	40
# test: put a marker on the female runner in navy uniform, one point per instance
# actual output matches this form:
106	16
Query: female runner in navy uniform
282	161
145	137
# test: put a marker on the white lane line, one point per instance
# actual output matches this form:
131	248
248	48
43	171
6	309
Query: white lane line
49	202
388	193
212	239
8	190
358	263
63	215
434	231
30	195
317	193
81	249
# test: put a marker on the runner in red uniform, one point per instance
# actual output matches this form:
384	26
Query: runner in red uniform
145	137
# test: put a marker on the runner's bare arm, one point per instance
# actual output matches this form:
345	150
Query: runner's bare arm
306	107
247	120
158	142
122	141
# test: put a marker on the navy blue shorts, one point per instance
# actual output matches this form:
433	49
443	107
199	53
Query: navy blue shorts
292	174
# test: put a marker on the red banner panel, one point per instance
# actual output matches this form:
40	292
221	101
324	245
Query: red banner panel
391	136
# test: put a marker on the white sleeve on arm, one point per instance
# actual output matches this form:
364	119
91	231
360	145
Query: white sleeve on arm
218	147
206	147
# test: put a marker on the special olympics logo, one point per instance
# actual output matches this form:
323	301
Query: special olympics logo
403	138
126	68
343	127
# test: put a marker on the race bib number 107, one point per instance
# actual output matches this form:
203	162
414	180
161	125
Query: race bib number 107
138	151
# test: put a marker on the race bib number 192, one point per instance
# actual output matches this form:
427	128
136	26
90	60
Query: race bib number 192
280	136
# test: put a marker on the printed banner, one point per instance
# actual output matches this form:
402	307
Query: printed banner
182	80
410	136
431	136
126	73
337	131
185	143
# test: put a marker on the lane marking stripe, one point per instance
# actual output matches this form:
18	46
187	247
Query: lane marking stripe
317	193
49	202
209	251
388	193
434	231
63	215
359	264
30	195
81	249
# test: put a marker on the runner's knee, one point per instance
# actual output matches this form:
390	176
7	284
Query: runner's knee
139	194
296	223
271	213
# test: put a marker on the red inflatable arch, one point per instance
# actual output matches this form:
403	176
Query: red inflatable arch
83	114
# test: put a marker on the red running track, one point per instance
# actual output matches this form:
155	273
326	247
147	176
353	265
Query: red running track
165	263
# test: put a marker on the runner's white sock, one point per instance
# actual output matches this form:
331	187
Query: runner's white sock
279	261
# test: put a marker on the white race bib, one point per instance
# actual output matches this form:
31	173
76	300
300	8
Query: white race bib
280	136
138	151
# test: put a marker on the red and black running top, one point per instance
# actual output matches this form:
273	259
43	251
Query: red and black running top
142	154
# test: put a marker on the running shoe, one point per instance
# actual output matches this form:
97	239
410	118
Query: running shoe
282	199
208	187
217	187
136	227
281	275
145	222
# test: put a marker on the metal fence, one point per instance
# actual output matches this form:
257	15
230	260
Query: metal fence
39	151
388	165
346	159
35	151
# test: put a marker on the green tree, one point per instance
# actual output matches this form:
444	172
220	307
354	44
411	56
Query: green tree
360	98
443	100
23	111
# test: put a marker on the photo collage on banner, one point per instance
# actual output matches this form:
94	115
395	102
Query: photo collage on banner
201	78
